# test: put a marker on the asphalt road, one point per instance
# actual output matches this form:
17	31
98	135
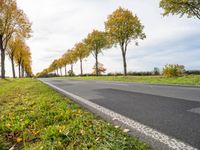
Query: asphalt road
172	110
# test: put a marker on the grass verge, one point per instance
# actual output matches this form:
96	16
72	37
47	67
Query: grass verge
33	116
184	80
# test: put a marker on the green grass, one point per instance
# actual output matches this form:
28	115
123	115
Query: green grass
33	116
184	80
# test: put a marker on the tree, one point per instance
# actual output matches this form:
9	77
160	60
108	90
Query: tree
26	61
81	51
191	8
156	71
20	57
72	58
14	45
54	66
12	21
101	69
122	27
65	62
60	65
96	42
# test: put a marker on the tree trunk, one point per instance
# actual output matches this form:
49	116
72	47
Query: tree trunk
81	67
65	70
22	71
19	70
25	74
97	68
124	62
2	58
57	72
13	66
61	72
72	68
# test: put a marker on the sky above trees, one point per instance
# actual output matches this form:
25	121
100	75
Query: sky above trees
58	25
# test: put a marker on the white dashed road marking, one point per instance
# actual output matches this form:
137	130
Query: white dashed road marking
195	110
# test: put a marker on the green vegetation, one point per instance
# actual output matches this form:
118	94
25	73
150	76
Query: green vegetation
184	80
173	70
33	116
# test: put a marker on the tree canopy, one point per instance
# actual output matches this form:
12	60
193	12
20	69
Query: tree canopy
13	22
96	41
81	51
122	27
191	8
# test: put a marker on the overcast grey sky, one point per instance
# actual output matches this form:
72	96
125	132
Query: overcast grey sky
58	24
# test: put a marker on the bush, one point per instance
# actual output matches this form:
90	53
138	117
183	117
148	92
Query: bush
194	72
71	73
115	74
173	70
47	75
130	73
156	71
142	73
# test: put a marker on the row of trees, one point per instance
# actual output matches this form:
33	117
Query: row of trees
15	28
121	28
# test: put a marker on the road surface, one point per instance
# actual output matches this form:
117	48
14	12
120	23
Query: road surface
172	110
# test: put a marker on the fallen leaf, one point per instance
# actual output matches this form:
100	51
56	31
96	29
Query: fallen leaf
116	127
126	130
19	139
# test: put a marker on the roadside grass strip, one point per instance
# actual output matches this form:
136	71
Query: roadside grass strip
193	80
34	116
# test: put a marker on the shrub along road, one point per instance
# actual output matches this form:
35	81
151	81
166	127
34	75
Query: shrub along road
172	110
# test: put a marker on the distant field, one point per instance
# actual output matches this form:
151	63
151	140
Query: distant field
185	80
33	116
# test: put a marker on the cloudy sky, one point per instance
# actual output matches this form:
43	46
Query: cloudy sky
58	24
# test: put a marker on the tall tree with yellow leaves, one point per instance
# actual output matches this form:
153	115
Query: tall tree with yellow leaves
14	45
20	56
26	60
96	42
122	27
72	58
54	66
65	62
60	65
12	21
81	51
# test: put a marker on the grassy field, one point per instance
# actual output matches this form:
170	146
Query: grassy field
185	80
33	116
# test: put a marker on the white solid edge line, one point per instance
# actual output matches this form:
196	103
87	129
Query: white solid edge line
147	131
